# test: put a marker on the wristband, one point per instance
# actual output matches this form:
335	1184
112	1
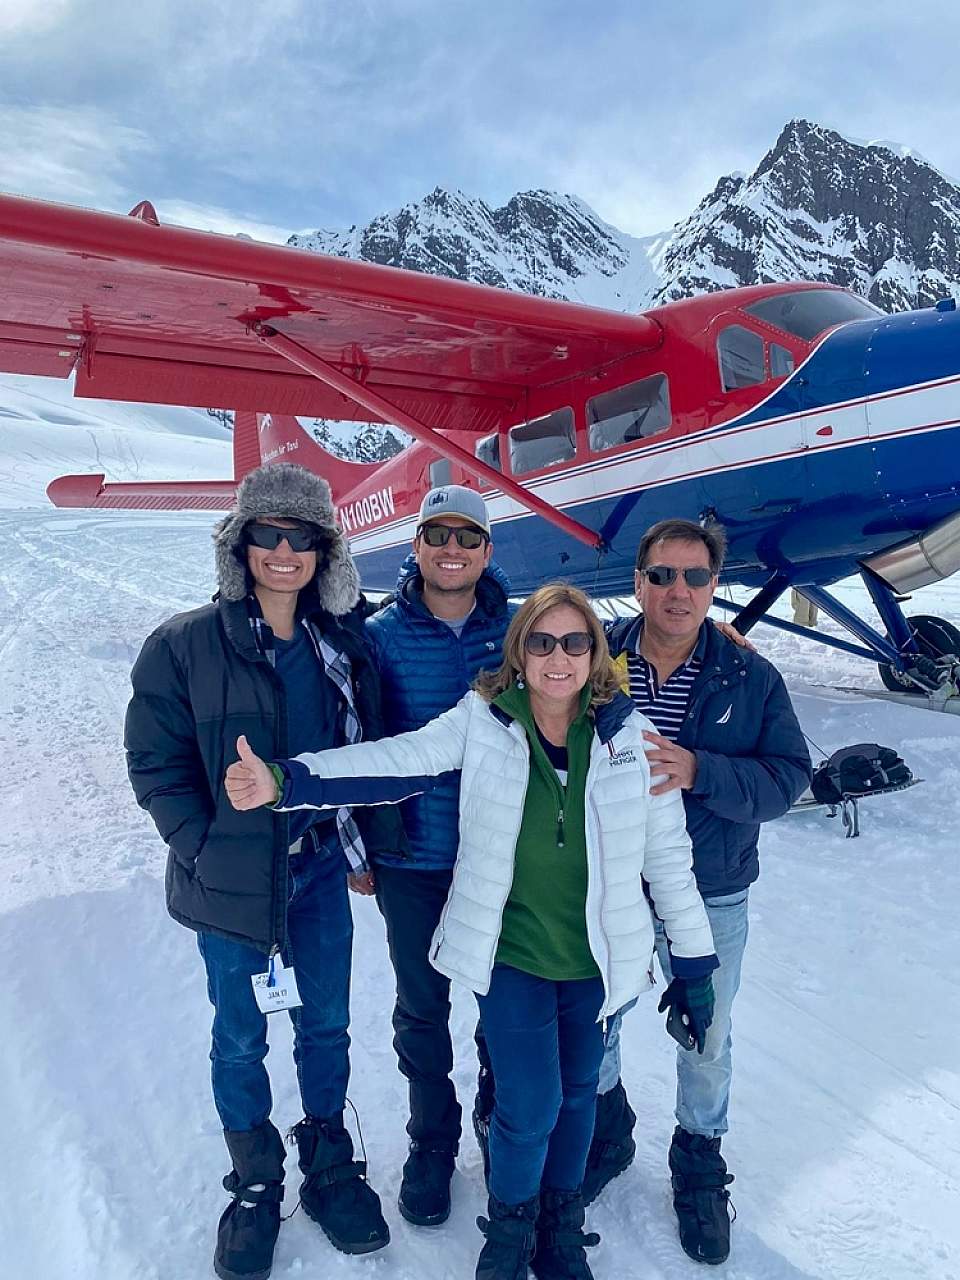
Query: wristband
281	780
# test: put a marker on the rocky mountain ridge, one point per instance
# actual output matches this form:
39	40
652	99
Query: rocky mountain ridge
875	219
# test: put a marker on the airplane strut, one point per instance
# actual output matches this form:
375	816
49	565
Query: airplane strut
376	403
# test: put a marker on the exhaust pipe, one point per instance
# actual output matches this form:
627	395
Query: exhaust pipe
921	561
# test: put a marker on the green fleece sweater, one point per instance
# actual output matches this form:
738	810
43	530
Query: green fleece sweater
544	929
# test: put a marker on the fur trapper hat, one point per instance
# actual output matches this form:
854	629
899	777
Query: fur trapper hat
293	493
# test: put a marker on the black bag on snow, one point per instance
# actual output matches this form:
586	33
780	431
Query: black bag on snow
861	770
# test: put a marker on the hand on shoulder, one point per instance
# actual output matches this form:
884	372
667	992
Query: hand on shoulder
730	632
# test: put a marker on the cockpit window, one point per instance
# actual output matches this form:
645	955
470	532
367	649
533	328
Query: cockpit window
809	311
542	442
741	357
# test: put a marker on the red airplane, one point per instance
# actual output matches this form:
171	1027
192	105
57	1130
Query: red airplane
823	434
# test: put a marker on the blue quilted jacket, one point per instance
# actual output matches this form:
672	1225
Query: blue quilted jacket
425	669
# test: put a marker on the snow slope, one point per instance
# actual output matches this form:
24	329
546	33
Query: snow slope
45	432
846	1114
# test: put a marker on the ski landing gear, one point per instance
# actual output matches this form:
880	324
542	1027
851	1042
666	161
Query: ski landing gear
918	658
937	663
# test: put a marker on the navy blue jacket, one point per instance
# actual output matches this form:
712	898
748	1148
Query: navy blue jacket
199	682
752	760
425	669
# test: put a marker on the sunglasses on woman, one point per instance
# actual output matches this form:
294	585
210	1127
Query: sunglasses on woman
438	535
542	643
302	537
663	575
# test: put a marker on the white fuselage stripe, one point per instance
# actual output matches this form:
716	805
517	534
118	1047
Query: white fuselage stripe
927	408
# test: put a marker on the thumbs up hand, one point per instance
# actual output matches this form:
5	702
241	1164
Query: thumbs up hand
250	782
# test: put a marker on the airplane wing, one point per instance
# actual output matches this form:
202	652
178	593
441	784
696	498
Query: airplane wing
167	315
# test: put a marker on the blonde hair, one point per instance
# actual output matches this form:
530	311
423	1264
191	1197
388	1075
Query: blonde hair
603	678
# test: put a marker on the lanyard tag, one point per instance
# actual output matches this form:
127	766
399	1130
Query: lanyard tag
277	988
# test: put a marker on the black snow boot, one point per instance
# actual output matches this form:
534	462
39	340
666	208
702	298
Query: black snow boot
700	1196
335	1192
613	1148
425	1188
509	1240
559	1253
482	1111
250	1225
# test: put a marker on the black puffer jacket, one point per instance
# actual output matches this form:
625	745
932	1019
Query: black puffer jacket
199	682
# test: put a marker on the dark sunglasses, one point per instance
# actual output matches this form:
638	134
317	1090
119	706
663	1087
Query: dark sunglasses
664	575
438	535
302	537
542	643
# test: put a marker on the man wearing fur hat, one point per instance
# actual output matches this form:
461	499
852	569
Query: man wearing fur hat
278	658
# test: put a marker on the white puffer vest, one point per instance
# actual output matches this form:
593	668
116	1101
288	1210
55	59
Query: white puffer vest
629	834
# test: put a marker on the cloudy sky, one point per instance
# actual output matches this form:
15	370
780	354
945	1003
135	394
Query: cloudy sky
285	115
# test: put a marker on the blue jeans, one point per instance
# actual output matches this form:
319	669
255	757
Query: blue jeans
703	1080
545	1045
319	945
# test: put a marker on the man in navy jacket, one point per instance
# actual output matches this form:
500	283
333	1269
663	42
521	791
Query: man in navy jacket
729	739
446	623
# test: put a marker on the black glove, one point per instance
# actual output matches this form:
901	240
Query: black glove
690	1001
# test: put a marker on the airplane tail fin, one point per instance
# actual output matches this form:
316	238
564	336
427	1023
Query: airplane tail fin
282	439
257	438
246	444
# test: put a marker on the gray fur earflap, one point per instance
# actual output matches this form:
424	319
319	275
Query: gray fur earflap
293	493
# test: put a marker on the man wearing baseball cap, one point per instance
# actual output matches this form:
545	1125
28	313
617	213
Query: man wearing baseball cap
446	623
454	500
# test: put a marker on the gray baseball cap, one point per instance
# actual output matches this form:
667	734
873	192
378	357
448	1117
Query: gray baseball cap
454	500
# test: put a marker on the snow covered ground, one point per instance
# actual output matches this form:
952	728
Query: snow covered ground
845	1131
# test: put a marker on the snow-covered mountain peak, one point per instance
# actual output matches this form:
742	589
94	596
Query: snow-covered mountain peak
821	207
538	242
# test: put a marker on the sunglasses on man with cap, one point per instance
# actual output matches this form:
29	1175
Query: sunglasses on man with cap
438	535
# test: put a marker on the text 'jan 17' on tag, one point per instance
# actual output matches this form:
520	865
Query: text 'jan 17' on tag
276	989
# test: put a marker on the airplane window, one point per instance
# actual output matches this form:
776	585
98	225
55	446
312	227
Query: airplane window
781	361
741	358
488	451
629	413
809	311
441	472
542	442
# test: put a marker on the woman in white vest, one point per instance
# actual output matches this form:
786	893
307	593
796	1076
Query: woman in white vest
546	919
